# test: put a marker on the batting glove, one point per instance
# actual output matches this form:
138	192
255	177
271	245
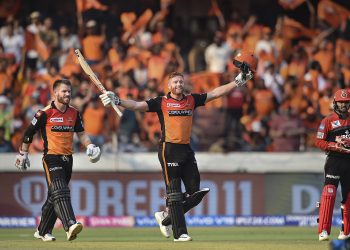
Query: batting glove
337	147
109	97
93	152
243	78
344	141
22	161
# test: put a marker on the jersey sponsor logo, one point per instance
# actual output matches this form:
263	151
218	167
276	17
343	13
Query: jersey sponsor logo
56	119
187	112
55	168
336	177
336	124
62	129
175	105
320	135
346	136
34	121
173	164
321	127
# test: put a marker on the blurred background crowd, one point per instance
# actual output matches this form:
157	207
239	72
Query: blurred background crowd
303	47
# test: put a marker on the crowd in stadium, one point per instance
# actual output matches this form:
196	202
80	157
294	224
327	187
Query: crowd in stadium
300	67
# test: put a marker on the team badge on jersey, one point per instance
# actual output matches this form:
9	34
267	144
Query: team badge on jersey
34	121
336	124
321	128
320	135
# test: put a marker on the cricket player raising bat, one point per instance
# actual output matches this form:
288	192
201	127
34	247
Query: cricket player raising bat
175	113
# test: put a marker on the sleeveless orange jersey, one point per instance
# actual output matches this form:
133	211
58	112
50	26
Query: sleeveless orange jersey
57	129
176	116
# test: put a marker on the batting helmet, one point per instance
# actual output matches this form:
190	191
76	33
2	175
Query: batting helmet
246	57
342	95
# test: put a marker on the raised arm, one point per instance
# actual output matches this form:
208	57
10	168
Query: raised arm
220	91
109	97
246	63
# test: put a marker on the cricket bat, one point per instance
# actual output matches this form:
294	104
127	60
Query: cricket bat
85	66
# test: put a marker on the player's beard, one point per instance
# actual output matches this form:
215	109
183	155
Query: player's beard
177	91
63	99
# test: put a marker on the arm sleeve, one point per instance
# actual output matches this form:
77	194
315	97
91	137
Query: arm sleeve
321	136
78	127
38	122
199	99
154	104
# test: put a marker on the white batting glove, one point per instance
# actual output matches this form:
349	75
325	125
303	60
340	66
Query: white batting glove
22	161
93	152
109	97
242	78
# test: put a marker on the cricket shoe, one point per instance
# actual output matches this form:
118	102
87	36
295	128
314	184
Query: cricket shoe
46	237
342	236
184	237
323	236
74	230
165	230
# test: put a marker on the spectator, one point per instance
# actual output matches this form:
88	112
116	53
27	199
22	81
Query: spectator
66	41
83	97
5	145
33	107
93	117
286	130
12	42
32	30
217	54
48	35
273	81
234	111
5	78
93	43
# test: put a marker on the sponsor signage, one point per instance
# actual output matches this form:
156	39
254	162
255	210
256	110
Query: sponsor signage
131	194
142	194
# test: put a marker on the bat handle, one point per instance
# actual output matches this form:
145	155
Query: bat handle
116	109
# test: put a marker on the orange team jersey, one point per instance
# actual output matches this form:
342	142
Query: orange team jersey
57	129
176	116
94	120
93	47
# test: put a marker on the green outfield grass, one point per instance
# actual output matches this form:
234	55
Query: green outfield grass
240	238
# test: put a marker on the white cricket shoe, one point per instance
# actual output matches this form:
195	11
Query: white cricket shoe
323	236
184	237
165	230
74	230
46	237
342	236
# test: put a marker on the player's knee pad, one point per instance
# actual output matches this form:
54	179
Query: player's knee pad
60	195
175	198
346	215
194	199
328	196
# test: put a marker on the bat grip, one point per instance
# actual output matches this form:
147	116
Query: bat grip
116	109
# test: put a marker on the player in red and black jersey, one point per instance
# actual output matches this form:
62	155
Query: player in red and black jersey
333	136
57	123
175	113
